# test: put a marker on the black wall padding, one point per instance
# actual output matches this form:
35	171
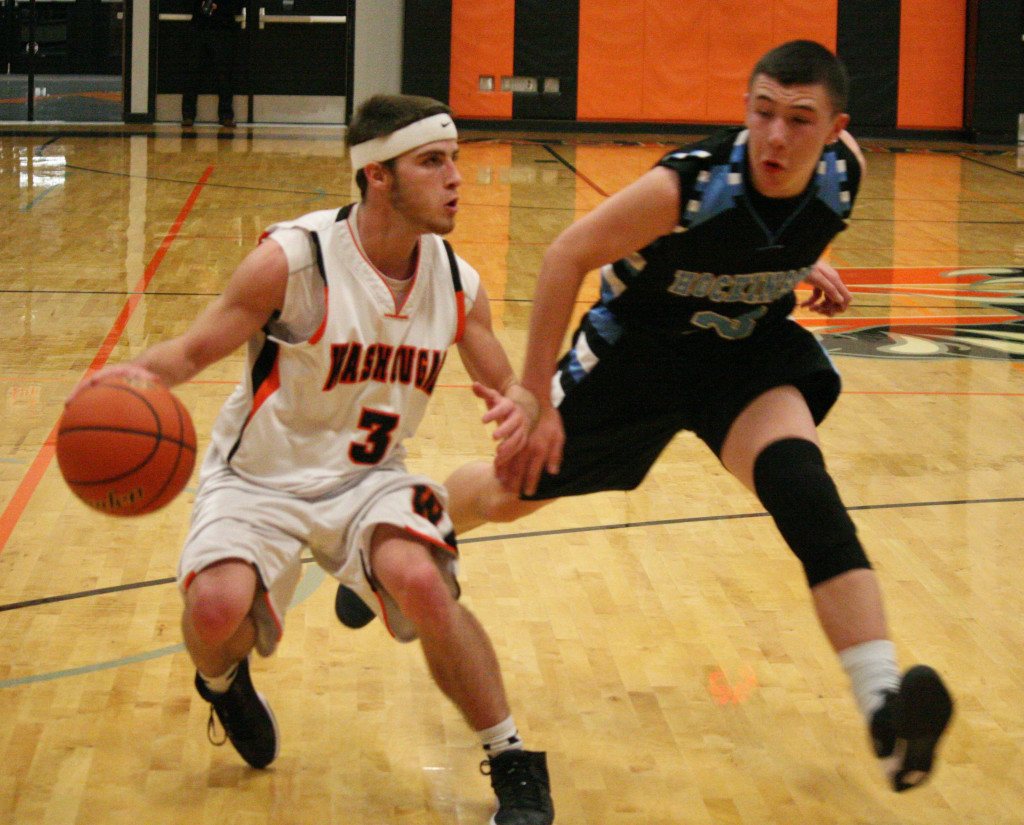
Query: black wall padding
868	43
427	48
547	45
995	93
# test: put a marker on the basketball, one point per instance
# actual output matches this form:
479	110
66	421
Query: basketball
126	447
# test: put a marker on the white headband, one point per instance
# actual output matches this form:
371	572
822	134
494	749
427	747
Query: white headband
418	133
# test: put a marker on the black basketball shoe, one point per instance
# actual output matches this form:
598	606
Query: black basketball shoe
906	729
245	716
350	609
520	781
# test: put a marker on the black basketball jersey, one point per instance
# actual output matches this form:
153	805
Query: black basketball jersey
735	257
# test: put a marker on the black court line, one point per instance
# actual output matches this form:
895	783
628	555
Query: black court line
877	304
316	193
245	133
957	222
233	186
557	158
762	514
575	171
1016	173
547	145
83	594
104	292
250	133
100	591
95	171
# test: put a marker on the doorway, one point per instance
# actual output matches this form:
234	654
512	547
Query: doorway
61	60
293	62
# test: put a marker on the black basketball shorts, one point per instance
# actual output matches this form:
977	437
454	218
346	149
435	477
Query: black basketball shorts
621	415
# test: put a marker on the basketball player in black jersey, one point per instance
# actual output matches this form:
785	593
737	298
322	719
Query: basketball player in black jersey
699	258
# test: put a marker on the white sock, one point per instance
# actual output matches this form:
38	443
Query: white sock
501	737
220	684
873	671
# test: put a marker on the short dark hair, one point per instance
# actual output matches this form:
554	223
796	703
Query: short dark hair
804	62
383	114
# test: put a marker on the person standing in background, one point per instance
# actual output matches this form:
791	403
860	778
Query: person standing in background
213	33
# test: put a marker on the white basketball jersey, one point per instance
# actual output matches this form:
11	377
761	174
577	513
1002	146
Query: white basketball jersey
315	414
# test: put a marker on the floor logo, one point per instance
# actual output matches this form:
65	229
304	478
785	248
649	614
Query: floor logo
922	313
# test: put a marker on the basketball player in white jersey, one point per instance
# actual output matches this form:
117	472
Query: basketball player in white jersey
347	315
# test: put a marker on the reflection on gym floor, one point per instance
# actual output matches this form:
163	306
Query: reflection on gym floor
71	98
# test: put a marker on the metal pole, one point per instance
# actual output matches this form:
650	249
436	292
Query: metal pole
31	59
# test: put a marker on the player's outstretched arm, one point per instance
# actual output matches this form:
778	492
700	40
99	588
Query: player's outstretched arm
829	295
628	221
253	293
509	404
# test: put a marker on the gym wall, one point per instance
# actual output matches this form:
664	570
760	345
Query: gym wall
680	61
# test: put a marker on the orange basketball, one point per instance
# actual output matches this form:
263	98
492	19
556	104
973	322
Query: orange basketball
126	447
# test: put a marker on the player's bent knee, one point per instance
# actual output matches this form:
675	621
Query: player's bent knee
215	607
793	484
213	621
419	589
427	603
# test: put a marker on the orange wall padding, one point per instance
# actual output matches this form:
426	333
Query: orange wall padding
611	60
931	83
689	60
684	60
805	20
482	40
743	32
675	61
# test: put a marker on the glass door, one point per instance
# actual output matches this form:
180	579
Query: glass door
61	60
300	60
293	62
15	80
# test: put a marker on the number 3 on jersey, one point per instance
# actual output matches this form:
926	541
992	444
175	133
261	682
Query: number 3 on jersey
372	449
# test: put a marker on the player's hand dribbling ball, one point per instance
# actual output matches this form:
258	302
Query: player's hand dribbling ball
126	447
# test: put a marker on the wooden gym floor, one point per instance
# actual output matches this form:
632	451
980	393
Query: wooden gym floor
659	645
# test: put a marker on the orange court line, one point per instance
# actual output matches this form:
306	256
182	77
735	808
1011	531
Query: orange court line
947	393
904	321
19	501
113	97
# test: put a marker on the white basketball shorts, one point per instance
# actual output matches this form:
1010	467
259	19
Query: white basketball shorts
236	519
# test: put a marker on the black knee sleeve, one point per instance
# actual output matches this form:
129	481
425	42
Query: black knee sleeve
792	483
